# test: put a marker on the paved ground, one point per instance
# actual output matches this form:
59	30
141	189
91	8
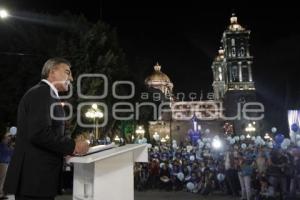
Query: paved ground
159	195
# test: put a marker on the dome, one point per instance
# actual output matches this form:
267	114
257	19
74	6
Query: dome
157	76
159	80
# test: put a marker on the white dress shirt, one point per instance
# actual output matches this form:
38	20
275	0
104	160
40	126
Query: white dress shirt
52	87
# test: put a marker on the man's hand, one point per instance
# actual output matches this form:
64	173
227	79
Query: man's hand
81	147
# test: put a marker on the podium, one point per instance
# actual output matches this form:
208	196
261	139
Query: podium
107	175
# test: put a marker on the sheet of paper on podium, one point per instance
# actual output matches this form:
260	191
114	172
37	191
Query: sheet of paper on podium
99	148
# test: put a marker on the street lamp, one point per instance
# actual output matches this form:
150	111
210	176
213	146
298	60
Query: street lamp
250	129
3	13
94	113
163	140
156	137
140	131
117	139
167	137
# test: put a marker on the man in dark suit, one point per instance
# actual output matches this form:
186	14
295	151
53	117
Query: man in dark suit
35	168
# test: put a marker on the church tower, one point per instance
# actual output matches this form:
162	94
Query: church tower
237	64
219	73
238	60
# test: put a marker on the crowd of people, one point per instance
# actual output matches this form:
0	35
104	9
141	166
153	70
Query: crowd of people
250	168
245	168
6	151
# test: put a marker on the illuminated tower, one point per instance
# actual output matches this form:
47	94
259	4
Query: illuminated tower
238	60
237	65
219	73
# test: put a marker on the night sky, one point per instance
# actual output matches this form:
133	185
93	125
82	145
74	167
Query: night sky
184	39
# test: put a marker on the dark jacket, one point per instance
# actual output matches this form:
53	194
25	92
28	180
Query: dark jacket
36	164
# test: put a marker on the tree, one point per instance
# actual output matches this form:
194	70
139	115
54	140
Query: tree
91	48
94	49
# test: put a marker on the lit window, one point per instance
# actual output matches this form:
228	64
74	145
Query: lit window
232	42
233	53
242	51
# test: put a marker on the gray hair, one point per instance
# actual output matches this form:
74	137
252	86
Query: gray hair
51	64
